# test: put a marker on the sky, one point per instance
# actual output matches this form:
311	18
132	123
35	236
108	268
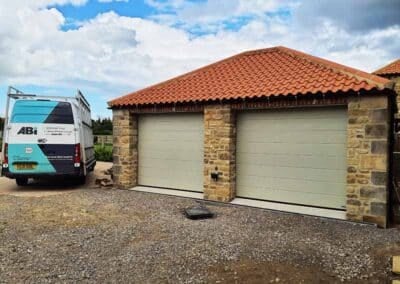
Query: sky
108	48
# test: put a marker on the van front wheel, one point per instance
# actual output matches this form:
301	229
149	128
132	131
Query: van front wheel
21	181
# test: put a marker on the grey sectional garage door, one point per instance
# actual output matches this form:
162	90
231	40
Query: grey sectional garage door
293	156
171	151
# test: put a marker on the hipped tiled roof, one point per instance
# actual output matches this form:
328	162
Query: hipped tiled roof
277	71
390	69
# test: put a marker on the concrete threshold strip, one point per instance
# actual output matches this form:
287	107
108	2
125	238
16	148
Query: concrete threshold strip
319	212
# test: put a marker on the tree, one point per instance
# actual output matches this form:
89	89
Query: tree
102	126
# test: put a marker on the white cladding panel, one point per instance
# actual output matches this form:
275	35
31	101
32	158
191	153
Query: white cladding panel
293	156
171	151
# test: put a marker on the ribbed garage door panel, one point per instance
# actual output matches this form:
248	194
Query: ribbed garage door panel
293	156
171	151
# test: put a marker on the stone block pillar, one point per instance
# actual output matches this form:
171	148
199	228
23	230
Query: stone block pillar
219	152
396	80
367	159
125	150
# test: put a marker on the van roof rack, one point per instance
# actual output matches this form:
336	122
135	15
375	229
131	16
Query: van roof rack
14	93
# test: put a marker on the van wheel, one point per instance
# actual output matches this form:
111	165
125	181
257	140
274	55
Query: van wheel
21	181
81	180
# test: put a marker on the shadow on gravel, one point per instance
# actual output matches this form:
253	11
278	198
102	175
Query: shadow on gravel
61	183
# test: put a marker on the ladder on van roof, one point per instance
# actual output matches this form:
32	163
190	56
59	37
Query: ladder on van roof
14	93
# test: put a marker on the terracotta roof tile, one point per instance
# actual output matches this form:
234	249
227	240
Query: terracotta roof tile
259	73
391	69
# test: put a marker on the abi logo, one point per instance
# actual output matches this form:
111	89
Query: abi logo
28	131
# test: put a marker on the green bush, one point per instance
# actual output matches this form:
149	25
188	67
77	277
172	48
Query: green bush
103	153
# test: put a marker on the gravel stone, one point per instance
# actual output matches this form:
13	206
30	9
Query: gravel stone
109	235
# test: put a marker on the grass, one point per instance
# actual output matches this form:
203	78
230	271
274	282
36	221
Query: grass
103	153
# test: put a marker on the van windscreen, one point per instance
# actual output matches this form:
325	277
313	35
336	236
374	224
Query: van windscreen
36	111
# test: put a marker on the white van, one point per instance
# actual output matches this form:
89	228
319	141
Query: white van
47	136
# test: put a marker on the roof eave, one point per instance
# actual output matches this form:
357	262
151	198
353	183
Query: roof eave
388	88
384	74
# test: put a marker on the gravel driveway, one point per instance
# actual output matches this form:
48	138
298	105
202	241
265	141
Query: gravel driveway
56	186
108	235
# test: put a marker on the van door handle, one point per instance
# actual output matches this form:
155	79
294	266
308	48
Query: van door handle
42	140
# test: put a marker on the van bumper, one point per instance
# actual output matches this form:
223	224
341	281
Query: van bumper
5	172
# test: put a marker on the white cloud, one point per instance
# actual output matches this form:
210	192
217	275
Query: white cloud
352	15
165	5
211	14
111	54
215	9
109	1
44	3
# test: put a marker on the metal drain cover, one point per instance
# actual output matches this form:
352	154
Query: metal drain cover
195	213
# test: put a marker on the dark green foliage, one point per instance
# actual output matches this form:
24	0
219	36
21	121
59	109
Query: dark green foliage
102	126
103	153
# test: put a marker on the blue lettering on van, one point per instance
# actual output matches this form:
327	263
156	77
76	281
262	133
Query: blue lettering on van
26	130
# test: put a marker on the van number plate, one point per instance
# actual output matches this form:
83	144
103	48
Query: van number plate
25	166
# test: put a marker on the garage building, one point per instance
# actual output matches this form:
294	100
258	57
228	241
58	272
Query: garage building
274	125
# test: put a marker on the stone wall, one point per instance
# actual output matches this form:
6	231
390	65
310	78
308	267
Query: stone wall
396	80
395	202
367	157
219	152
125	150
397	88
